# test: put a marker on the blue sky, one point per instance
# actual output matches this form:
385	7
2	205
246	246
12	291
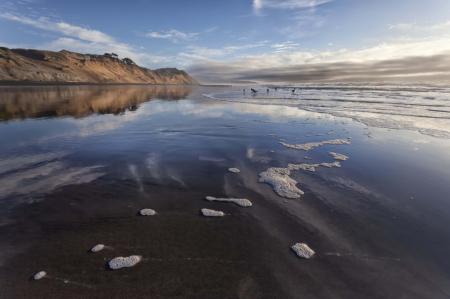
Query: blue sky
214	40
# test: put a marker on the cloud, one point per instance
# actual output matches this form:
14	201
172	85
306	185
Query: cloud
197	52
411	60
401	26
286	46
174	35
439	26
61	27
415	26
258	5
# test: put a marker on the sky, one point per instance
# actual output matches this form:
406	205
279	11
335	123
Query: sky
265	41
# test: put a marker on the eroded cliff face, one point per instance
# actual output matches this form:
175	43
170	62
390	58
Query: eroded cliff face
65	66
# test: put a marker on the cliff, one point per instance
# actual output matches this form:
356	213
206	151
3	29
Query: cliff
65	66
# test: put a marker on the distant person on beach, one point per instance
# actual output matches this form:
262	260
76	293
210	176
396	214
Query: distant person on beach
267	90
244	90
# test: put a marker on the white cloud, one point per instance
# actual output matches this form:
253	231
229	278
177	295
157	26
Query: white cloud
61	27
439	26
304	23
402	26
286	46
173	35
197	52
258	5
415	26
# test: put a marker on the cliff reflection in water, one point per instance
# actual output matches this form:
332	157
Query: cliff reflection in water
81	101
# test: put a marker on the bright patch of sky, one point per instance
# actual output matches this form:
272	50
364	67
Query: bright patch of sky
231	36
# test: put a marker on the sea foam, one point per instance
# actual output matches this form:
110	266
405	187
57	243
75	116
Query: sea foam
282	184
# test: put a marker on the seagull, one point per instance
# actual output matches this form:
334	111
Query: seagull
254	90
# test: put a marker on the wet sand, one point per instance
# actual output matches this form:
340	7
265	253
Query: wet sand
73	181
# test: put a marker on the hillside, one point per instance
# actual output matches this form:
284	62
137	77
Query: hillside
65	66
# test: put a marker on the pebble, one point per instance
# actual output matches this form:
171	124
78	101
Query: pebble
98	247
147	212
123	262
40	275
234	170
303	251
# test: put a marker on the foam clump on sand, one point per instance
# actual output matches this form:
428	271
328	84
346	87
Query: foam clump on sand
303	251
311	145
234	170
212	213
338	156
330	133
98	247
329	165
40	275
282	184
239	201
123	262
311	167
303	166
147	212
272	135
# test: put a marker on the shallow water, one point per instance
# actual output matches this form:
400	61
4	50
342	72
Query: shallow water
424	108
78	163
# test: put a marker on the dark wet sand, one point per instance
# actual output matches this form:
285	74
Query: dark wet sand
362	251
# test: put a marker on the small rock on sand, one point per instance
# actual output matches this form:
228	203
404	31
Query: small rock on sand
40	275
234	170
122	262
98	247
147	212
302	250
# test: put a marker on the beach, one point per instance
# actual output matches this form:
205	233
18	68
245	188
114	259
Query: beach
78	164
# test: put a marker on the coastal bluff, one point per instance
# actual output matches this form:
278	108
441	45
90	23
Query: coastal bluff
65	66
